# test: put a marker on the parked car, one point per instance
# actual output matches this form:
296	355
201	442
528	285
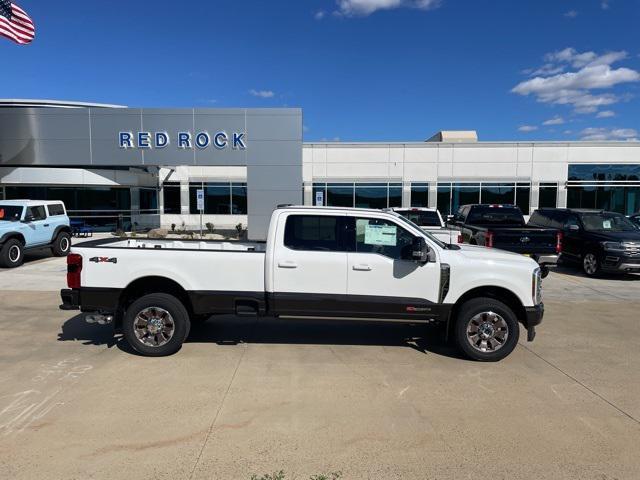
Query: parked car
504	227
430	221
595	239
635	219
339	263
30	225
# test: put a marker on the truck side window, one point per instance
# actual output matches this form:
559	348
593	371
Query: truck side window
311	232
38	213
383	237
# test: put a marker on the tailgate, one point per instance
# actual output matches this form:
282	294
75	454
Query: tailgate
525	240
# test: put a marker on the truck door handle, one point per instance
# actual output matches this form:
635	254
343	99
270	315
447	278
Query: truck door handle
287	264
46	224
362	267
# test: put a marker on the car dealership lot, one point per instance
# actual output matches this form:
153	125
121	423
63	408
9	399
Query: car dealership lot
368	399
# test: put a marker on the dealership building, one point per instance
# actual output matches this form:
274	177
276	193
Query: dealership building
144	167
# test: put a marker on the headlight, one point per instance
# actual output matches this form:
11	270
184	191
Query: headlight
536	287
613	246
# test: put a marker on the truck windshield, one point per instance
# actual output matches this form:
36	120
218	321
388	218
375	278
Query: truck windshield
607	222
440	243
496	216
422	218
10	213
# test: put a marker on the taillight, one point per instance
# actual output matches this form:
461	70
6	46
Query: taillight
489	241
74	268
460	239
559	242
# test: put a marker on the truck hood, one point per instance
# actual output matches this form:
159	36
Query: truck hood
474	252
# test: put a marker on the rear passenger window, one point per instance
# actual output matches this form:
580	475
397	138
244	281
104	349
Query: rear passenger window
312	232
55	209
38	213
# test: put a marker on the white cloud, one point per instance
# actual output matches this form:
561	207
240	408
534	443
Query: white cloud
319	15
619	134
557	120
262	93
352	8
527	128
571	14
551	84
606	114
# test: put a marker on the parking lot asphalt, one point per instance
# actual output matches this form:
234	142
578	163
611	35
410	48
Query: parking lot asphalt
371	400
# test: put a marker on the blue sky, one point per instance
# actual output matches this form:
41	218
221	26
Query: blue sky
362	70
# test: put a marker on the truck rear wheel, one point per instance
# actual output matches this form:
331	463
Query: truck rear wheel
156	325
486	329
12	253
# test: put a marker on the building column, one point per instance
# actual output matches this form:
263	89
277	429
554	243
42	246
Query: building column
406	194
562	195
433	195
184	197
307	195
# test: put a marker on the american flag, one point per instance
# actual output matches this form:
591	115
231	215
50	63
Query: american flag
15	24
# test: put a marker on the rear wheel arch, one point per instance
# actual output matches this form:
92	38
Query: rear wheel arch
16	235
148	285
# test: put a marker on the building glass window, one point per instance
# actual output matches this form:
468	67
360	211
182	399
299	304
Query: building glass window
171	194
371	195
444	198
419	194
608	187
339	195
464	194
148	201
523	197
221	198
395	195
498	193
604	173
548	195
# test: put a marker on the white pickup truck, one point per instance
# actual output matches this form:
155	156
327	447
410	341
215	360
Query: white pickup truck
318	262
430	220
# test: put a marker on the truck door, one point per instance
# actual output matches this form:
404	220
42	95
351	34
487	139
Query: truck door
310	266
37	227
381	281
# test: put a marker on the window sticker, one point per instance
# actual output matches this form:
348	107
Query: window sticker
606	224
381	235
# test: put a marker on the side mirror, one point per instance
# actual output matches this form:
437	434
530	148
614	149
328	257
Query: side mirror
420	250
574	228
28	218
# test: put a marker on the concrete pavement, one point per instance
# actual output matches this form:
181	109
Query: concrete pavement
370	400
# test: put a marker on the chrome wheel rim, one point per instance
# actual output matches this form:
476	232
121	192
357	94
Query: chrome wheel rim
154	326
590	263
64	244
487	332
14	253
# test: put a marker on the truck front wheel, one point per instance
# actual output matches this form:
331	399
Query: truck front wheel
156	325
486	329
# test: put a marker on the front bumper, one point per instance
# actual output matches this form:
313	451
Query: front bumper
533	317
615	262
70	299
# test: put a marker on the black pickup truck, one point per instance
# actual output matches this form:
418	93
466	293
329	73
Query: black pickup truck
504	227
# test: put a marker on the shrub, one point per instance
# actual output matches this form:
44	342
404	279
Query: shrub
210	226
239	229
173	227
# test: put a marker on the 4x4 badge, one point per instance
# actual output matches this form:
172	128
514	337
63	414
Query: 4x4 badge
103	260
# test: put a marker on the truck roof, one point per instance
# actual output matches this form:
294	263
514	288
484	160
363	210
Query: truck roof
413	209
336	209
30	203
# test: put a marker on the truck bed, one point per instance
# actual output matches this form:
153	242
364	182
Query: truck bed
195	265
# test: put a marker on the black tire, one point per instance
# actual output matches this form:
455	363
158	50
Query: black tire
591	264
12	253
506	328
61	245
158	302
